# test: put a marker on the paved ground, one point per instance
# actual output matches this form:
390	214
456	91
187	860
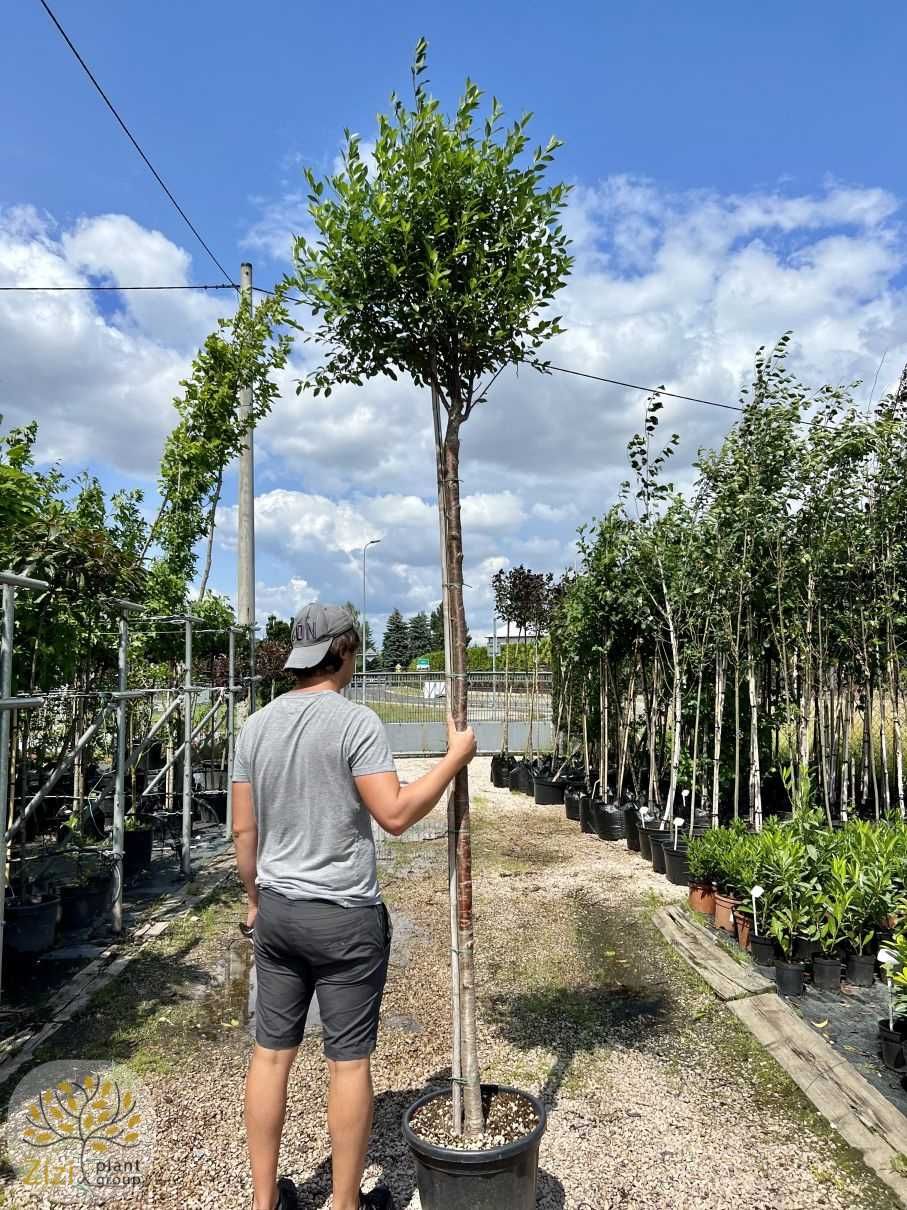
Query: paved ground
657	1098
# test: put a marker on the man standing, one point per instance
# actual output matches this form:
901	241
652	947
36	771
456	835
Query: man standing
312	770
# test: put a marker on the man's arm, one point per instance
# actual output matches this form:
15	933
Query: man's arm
245	842
397	807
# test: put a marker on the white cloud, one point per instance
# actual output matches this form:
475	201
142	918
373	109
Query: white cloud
284	600
672	288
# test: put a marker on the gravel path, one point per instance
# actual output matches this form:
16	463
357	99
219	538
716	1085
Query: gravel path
657	1098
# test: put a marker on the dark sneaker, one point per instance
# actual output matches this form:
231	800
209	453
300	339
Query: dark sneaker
288	1199
378	1199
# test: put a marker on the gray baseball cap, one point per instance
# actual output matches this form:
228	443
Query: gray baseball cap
314	629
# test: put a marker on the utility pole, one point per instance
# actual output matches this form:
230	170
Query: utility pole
245	570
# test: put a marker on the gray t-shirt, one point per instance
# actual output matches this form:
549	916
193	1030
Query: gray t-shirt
301	753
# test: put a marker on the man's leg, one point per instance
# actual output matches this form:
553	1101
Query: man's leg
266	1106
350	1104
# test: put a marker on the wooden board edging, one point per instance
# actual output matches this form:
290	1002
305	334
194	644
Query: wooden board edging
862	1115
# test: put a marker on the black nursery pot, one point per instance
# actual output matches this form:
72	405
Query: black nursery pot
762	950
501	764
631	823
892	1043
656	837
608	820
586	817
676	866
520	778
861	969
645	844
29	928
136	850
572	796
548	792
789	977
503	1178
82	906
827	973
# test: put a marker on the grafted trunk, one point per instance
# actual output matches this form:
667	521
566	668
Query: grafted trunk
695	747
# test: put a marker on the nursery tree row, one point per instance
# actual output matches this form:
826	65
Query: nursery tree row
743	641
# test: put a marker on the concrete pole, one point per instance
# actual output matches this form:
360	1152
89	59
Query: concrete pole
231	724
245	587
119	801
6	685
186	860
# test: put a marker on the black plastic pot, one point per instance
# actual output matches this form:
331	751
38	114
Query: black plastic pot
805	950
586	817
656	836
81	906
572	796
548	793
861	969
503	1178
501	764
645	844
827	973
762	950
609	821
136	850
520	778
789	977
29	928
631	823
892	1043
676	866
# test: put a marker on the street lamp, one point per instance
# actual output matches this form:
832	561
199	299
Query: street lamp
371	542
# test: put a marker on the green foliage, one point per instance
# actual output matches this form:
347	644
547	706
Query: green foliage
419	631
244	352
439	259
395	649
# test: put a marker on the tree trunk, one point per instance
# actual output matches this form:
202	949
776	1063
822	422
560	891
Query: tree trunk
209	551
506	744
720	681
755	778
695	747
894	680
474	1120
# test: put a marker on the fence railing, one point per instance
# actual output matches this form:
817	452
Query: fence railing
421	697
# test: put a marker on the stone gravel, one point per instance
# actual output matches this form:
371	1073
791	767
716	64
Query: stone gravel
657	1100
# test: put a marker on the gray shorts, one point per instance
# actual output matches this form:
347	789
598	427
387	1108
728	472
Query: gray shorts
304	945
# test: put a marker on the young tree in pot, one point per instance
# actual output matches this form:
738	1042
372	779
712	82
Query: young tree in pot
437	261
788	921
832	904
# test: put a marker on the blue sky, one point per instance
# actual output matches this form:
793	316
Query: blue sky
739	171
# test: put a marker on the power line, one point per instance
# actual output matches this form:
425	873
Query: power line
93	289
634	386
157	176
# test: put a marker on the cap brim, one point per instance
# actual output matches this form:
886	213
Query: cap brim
309	656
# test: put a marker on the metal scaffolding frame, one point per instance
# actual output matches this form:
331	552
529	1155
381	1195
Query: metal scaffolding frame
118	702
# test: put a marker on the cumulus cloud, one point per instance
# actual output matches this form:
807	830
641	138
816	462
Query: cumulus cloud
669	288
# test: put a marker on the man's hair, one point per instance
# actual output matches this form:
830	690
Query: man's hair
344	644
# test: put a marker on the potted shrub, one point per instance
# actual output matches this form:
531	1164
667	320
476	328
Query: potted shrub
137	844
832	905
464	254
787	921
701	854
30	923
